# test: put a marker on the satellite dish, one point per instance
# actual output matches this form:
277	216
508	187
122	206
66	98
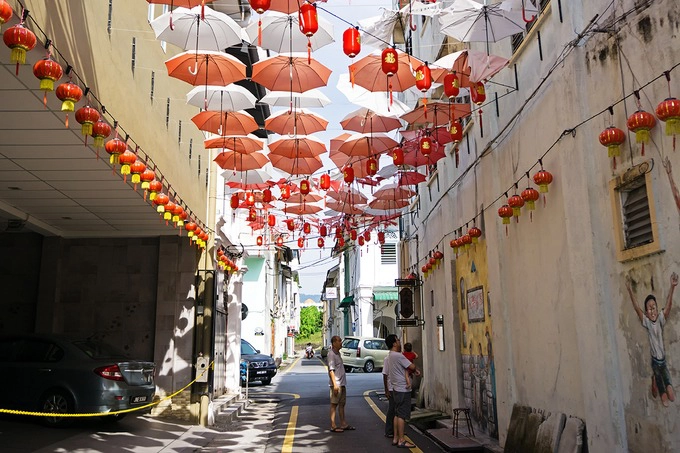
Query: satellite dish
244	311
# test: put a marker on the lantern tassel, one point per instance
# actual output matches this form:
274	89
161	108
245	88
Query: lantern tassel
481	124
66	121
259	32
309	51
425	107
389	87
203	10
45	99
351	75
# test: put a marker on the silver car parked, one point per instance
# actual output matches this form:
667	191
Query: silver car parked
47	373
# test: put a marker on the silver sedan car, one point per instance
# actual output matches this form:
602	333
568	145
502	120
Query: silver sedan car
48	373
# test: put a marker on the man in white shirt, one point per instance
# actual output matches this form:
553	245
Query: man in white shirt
389	418
401	390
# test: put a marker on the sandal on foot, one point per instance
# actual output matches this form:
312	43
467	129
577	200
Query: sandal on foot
405	444
337	430
348	428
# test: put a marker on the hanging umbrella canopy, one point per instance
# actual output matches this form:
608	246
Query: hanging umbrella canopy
281	33
206	68
225	123
339	140
344	208
249	179
297	146
285	6
244	144
416	159
387	205
299	121
377	30
366	145
298	198
302	209
377	102
232	160
365	120
180	3
468	20
308	99
368	72
471	66
437	113
221	98
400	176
292	72
299	166
198	28
348	196
393	192
439	134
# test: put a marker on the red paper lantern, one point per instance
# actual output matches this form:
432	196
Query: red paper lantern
438	255
320	242
48	71
290	224
361	241
425	146
100	131
167	214
68	93
351	42
338	232
381	237
341	241
348	175
371	166
543	178
87	116
612	138
155	187
271	220
432	262
115	147
668	111
260	6
259	241
279	241
478	93
308	19
306	228
367	236
516	202
20	39
126	159
353	235
304	186
423	77
301	242
641	123
398	156
424	269
530	196
474	233
505	212
389	62
146	177
325	181
451	85
323	230
191	227
456	131
252	215
285	192
136	170
5	12
250	199
234	201
160	200
266	195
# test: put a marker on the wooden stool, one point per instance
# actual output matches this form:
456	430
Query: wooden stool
456	416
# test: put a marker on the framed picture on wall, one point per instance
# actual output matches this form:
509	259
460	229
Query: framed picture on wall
475	304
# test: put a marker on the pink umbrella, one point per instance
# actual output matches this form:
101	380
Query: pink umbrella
206	68
299	166
365	145
393	192
230	160
344	208
388	205
299	121
290	72
297	146
365	120
238	143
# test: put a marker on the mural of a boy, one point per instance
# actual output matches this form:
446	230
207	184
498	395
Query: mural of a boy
654	320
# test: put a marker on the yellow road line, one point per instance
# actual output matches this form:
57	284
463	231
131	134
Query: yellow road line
382	416
291	365
290	431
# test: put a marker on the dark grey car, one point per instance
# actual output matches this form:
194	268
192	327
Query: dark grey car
260	367
46	373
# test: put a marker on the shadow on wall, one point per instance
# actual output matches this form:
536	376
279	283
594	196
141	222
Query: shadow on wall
532	431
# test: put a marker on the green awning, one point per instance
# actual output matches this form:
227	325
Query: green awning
386	295
346	302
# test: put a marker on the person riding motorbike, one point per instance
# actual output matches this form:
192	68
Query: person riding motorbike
309	351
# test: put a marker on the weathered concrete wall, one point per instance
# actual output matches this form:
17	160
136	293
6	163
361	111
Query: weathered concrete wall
19	278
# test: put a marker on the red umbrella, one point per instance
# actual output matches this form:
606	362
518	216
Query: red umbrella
409	178
298	198
225	123
206	68
437	113
238	143
388	205
285	6
416	159
365	120
344	208
393	192
365	145
299	121
290	72
348	197
302	209
439	134
339	140
299	166
298	146
231	160
368	72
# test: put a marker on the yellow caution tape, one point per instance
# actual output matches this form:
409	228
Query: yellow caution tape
99	414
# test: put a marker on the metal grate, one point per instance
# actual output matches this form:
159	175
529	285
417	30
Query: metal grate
517	39
637	221
388	254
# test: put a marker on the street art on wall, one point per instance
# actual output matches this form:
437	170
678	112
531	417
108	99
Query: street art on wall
654	321
475	304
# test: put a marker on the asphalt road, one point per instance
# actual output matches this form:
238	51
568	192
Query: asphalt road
290	415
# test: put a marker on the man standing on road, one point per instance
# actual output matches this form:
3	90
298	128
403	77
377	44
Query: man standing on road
338	381
401	391
389	418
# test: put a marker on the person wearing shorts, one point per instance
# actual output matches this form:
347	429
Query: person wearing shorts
401	390
337	383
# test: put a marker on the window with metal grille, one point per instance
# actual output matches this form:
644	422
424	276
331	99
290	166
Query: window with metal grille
518	38
637	221
388	254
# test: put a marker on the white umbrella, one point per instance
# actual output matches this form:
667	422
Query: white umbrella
228	98
216	31
422	9
308	99
281	31
377	30
379	102
468	20
250	179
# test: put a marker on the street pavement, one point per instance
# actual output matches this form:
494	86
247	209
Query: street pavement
290	415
